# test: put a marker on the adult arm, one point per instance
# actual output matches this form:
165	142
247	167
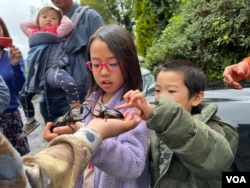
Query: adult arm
233	74
63	161
129	148
58	165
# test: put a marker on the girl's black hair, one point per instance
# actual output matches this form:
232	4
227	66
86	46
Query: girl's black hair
122	45
5	30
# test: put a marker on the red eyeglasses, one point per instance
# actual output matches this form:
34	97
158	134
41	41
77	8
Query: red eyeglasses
110	64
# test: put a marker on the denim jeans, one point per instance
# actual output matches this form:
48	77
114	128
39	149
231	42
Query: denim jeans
53	108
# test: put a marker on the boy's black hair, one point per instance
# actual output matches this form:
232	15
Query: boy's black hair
194	77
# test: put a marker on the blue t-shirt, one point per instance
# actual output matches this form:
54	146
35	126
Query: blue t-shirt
14	77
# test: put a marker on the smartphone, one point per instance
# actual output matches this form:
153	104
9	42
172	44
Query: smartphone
5	42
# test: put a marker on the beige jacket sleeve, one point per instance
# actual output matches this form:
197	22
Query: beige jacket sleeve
63	161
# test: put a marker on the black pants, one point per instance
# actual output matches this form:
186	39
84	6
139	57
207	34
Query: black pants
62	79
26	102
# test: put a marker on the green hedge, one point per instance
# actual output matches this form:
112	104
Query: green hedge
212	33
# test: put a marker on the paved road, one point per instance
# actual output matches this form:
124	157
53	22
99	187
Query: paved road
35	138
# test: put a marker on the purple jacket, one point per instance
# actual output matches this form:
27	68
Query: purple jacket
121	161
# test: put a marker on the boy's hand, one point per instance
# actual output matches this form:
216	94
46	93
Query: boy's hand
136	99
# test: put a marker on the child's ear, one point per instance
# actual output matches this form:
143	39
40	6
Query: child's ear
197	98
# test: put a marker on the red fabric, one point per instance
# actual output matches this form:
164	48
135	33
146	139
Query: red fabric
52	30
90	165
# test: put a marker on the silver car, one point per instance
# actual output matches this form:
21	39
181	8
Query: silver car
234	108
148	86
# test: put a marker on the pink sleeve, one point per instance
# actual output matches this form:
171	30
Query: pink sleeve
28	27
65	27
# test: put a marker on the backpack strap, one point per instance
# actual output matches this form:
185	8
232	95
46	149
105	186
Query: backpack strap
78	14
60	56
76	17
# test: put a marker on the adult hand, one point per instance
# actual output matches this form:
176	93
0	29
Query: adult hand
113	127
50	133
233	74
136	99
15	55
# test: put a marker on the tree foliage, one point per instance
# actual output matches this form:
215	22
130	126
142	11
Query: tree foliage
151	18
114	11
145	27
122	11
101	6
213	33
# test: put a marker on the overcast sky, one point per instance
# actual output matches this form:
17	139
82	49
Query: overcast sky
16	11
13	13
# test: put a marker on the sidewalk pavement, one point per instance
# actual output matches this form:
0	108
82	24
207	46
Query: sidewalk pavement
35	138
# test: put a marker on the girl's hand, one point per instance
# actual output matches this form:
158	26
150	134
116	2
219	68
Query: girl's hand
136	99
106	127
50	133
15	55
113	127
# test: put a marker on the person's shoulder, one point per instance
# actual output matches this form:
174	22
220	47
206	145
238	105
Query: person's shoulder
85	14
92	12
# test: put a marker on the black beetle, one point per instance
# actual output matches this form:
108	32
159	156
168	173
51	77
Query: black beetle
103	112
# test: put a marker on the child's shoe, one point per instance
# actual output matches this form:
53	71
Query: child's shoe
28	128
